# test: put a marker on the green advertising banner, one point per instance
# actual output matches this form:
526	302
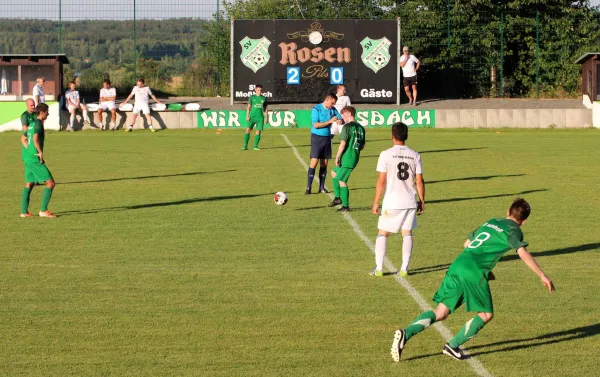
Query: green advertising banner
302	118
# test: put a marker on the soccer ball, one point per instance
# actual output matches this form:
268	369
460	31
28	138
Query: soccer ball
280	198
259	59
380	60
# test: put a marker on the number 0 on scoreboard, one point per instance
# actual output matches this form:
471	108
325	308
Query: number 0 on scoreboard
336	75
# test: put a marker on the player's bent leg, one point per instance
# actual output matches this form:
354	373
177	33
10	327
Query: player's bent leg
407	246
323	176
25	197
311	175
344	195
99	124
401	336
257	139
246	138
133	120
380	250
46	196
469	330
414	88
408	94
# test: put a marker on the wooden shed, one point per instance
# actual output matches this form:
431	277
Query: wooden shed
590	75
18	74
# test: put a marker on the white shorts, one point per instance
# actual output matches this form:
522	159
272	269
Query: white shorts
392	220
71	107
143	107
107	106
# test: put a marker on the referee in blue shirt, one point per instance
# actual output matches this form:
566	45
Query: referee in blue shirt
323	115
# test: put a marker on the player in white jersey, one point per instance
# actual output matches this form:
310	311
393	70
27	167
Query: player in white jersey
401	176
141	93
108	95
74	104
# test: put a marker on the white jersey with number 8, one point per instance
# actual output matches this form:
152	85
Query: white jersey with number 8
402	165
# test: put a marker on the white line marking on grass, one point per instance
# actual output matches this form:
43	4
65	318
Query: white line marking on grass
439	326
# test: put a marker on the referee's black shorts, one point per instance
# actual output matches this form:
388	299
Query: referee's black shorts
320	147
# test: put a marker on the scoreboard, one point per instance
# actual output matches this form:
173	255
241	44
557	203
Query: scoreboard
303	60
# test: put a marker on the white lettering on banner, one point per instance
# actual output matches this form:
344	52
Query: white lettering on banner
362	117
407	119
377	119
275	118
289	119
233	120
209	118
222	117
424	115
394	118
239	93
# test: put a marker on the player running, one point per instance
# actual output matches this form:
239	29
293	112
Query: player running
400	170
352	141
141	93
74	104
36	171
467	279
256	115
108	95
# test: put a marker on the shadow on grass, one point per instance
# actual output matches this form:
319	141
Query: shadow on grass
542	340
428	269
146	177
161	204
480	178
595	246
538	341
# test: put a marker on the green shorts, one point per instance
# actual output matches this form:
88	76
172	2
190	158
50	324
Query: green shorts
454	291
258	122
36	172
342	174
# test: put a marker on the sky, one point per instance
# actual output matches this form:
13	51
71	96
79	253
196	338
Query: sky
73	10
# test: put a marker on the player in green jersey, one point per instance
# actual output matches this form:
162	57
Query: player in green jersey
352	141
27	118
466	281
256	114
36	170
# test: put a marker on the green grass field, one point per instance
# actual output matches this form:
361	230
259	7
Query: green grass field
169	258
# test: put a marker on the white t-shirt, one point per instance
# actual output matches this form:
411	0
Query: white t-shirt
342	102
73	96
110	92
39	91
141	94
409	68
401	164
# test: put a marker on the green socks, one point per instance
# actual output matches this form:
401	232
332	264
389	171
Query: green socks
469	330
345	195
336	187
25	200
256	140
46	195
246	138
420	323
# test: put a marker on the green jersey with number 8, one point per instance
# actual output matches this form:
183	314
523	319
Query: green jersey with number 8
354	136
488	244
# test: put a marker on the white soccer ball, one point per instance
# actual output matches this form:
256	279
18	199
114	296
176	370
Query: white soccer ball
280	198
259	59
380	60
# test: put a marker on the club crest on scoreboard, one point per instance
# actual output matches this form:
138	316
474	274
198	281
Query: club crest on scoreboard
376	53
255	52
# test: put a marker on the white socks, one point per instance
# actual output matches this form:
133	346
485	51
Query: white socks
407	245
380	246
71	120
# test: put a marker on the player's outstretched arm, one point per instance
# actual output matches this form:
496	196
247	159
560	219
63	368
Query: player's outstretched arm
155	99
533	266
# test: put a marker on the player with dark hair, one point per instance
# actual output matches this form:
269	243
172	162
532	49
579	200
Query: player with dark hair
256	115
352	141
108	96
401	178
467	279
323	116
36	171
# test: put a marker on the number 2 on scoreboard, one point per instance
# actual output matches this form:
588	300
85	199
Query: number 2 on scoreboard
293	75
